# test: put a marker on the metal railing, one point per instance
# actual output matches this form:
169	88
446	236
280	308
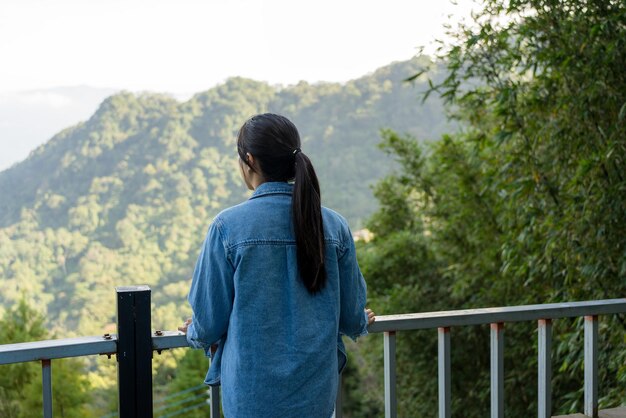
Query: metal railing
135	342
497	317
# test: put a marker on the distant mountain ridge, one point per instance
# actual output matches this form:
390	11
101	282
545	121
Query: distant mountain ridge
372	102
126	196
28	118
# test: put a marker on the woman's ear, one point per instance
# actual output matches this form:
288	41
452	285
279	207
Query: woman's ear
250	160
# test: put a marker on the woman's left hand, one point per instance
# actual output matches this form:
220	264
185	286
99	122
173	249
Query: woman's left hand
183	328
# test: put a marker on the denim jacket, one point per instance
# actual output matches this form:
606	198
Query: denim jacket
279	348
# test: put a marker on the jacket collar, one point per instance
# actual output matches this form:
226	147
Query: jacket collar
272	187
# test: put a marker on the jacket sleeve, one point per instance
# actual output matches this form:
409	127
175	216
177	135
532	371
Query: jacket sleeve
212	291
352	288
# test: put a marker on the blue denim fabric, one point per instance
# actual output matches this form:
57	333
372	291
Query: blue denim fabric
279	347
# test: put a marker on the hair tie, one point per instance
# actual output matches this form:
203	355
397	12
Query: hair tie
296	151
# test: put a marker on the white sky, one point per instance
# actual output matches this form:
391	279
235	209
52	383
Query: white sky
192	45
184	47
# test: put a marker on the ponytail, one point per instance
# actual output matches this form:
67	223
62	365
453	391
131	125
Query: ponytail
307	224
275	142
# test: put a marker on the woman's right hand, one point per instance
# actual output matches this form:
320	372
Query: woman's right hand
371	316
183	329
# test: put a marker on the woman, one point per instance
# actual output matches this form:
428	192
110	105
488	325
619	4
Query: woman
276	285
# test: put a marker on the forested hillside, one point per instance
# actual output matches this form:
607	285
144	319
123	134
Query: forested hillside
126	197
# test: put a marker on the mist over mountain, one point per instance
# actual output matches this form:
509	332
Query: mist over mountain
126	197
29	118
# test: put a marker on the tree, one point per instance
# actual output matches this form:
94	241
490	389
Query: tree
525	205
185	390
20	384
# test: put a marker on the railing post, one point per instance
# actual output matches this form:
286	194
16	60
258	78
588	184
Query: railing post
339	399
390	374
444	372
544	365
134	352
497	370
214	407
591	366
46	377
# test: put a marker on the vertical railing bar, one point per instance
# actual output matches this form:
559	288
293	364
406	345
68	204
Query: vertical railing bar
127	404
215	402
339	399
497	370
134	352
544	368
444	372
591	366
390	374
143	353
46	374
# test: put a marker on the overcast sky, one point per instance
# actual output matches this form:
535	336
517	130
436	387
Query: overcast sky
191	45
187	46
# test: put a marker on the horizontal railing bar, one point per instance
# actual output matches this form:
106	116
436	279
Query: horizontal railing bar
169	339
427	320
85	346
54	349
81	346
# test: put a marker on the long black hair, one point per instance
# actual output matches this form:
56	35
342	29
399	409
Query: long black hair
274	142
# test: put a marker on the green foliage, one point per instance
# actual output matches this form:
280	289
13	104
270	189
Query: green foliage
20	384
526	205
184	387
20	324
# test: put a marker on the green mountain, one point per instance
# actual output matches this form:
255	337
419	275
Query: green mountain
126	197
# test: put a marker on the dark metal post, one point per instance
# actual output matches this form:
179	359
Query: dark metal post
46	369
214	407
134	352
339	399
